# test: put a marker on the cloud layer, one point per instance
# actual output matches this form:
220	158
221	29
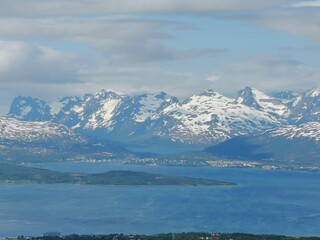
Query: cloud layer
54	8
270	73
20	62
51	48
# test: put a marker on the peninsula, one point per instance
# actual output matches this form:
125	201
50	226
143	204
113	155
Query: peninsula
20	174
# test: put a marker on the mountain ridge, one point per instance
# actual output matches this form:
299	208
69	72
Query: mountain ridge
202	119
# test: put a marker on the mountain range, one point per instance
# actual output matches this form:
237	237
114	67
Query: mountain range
203	119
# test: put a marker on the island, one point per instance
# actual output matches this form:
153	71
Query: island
14	174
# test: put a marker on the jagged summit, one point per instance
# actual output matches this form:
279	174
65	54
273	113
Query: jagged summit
254	98
212	117
247	96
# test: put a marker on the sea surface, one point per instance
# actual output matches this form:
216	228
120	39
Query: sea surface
279	202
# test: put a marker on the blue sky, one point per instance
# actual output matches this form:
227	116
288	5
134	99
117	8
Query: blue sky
54	48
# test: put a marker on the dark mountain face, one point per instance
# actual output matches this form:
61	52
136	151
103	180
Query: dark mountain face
239	148
285	95
30	109
300	144
247	98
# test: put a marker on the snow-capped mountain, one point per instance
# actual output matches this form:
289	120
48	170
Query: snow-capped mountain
206	118
147	105
97	110
210	117
136	114
22	131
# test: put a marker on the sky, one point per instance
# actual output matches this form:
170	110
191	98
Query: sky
55	48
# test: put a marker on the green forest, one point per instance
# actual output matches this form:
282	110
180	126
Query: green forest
170	236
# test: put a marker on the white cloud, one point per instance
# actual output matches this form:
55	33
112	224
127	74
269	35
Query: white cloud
213	78
303	22
307	4
141	79
46	73
292	16
125	39
21	62
270	73
51	8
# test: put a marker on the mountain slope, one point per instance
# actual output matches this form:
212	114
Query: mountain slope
47	141
294	144
306	107
30	109
308	131
136	114
15	130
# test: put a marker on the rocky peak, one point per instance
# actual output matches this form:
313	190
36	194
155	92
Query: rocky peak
252	97
30	109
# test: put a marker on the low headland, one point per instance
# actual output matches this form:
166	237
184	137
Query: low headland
14	174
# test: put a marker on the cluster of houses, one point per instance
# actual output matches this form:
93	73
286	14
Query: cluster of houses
213	236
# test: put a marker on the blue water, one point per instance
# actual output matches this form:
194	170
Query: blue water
281	202
163	150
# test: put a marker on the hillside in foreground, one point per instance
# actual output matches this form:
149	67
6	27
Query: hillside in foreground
169	236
